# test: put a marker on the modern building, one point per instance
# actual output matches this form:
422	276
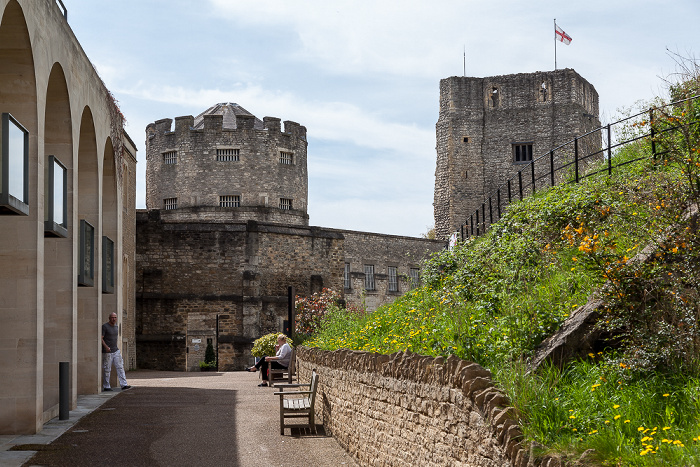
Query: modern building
67	217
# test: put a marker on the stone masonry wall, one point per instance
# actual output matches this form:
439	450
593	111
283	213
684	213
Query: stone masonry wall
406	410
383	251
482	118
188	273
197	178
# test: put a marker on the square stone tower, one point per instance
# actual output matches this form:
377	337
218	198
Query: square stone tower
489	128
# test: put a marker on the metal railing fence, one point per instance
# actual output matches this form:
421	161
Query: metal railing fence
567	163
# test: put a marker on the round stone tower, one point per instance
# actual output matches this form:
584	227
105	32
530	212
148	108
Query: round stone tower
226	164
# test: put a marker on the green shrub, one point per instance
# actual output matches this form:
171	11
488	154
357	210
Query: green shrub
265	346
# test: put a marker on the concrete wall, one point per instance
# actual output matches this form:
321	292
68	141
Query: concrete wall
405	410
480	120
49	85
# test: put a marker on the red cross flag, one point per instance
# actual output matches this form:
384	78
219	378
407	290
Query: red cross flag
561	36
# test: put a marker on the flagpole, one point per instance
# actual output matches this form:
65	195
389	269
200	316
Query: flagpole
555	44
465	60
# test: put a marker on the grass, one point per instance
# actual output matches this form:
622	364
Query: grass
492	300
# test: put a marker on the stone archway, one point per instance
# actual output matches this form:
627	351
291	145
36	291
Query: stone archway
59	321
89	357
21	329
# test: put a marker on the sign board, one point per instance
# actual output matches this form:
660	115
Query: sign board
196	341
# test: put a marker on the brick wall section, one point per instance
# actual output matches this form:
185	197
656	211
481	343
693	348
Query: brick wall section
198	179
382	251
405	409
468	171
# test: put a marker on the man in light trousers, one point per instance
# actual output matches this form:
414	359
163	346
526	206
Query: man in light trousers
111	354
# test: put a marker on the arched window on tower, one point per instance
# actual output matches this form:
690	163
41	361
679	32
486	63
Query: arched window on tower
495	97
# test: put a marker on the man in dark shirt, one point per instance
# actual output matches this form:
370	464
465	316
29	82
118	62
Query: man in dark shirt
112	354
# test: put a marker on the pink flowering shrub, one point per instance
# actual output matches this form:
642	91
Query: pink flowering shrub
310	311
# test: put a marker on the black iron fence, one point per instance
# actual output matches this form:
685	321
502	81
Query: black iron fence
585	156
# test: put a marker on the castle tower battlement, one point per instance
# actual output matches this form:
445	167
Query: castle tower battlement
227	159
489	128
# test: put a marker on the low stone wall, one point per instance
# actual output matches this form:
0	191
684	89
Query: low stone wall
407	409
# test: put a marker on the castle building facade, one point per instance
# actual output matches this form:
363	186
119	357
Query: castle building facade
490	128
226	233
67	217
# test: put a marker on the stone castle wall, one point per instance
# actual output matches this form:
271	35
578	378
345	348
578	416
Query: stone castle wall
382	252
191	273
405	410
188	273
482	118
195	178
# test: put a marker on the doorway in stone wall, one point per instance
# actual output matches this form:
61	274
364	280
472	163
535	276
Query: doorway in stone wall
201	328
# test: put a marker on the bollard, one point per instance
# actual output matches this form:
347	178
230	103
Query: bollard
63	390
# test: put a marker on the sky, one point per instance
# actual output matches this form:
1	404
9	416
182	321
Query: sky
363	76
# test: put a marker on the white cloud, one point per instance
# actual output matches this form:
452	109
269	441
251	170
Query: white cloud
333	121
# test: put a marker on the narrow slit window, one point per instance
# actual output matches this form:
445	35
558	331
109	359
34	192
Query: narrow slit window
393	279
86	261
228	155
56	206
369	277
414	275
346	276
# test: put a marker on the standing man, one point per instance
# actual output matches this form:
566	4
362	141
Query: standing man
112	354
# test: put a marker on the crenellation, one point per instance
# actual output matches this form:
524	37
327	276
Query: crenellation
245	122
183	125
272	124
163	125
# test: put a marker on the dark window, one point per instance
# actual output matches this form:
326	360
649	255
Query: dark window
414	274
393	280
346	276
14	167
285	204
495	98
170	203
86	262
107	265
522	152
170	157
228	155
229	201
55	219
369	277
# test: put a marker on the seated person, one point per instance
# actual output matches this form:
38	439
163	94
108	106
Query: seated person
279	361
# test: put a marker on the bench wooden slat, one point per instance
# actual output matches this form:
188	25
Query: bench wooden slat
295	406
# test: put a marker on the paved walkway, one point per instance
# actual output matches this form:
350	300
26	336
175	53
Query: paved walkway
173	418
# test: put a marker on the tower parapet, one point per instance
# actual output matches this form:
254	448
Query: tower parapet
226	159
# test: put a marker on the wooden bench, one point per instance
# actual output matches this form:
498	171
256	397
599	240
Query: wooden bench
298	403
289	371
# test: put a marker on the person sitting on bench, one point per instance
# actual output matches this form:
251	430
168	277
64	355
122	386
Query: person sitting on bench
280	360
